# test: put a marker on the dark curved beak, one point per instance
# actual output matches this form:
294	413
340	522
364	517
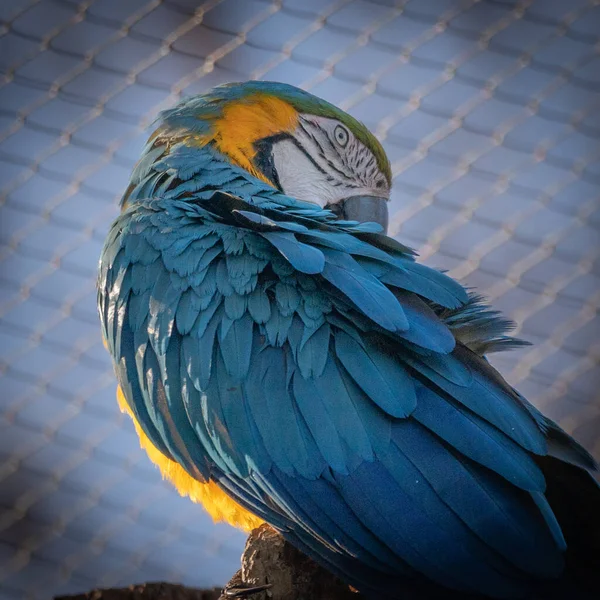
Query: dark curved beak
364	209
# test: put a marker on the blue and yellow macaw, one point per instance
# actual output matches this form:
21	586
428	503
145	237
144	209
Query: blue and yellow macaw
283	360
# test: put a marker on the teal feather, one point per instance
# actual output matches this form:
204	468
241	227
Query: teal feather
184	161
435	520
148	162
187	311
447	366
350	244
245	447
233	241
258	247
550	519
257	391
235	306
365	291
426	282
277	327
199	345
259	305
163	307
287	297
319	422
426	329
214	422
267	224
330	388
236	346
301	257
472	436
518	528
192	401
275	413
224	284
244	264
379	376
479	328
140	252
313	351
195	260
145	189
316	304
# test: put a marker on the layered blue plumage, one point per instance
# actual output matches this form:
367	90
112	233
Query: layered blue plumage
326	381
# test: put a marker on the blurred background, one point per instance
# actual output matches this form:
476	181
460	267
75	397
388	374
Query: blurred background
490	113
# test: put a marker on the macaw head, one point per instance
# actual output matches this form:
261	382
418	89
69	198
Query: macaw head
298	143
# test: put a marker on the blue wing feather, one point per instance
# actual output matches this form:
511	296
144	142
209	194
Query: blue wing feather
492	509
320	423
426	329
236	347
476	438
302	257
381	377
313	350
427	282
277	416
365	291
319	503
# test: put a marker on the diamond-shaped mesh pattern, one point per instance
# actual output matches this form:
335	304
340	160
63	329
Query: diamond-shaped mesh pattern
490	112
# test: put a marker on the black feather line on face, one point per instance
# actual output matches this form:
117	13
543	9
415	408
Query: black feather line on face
308	155
263	159
348	177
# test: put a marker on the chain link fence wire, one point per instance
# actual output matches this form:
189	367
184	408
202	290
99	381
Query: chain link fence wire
490	112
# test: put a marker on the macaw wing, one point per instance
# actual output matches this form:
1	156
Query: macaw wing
302	365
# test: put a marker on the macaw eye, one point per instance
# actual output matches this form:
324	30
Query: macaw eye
341	135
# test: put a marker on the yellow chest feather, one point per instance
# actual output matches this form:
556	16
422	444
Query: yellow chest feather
216	502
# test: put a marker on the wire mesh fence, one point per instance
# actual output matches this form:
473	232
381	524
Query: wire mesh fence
490	113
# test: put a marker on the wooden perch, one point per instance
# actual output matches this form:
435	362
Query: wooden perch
267	560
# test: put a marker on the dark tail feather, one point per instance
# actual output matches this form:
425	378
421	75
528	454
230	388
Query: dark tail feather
574	496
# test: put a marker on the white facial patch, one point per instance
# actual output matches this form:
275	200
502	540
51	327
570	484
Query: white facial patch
299	177
324	163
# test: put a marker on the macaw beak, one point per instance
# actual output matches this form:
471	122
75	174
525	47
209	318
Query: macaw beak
363	209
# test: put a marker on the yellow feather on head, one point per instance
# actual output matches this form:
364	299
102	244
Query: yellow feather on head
246	121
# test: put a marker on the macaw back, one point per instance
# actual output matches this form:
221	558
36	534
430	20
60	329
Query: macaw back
311	373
